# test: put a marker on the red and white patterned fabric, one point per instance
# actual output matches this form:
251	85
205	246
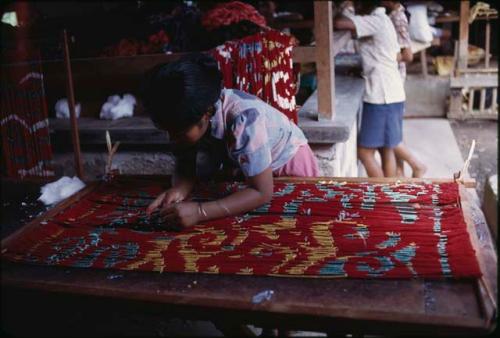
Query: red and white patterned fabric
261	64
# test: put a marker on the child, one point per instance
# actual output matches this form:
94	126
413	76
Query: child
383	101
213	128
400	21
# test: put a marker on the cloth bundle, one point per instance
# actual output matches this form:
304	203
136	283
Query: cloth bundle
116	107
229	13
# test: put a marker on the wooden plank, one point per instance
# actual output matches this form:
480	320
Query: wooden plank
463	41
378	304
348	100
51	212
474	80
325	66
456	18
72	113
476	114
487	258
477	70
304	54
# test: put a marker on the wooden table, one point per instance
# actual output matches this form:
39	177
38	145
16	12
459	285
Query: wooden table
337	306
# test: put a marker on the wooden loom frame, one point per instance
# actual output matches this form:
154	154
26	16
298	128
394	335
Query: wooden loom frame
345	305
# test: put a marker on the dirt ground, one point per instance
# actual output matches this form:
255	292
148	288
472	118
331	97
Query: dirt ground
484	162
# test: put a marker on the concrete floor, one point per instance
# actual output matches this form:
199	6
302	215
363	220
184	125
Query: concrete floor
431	140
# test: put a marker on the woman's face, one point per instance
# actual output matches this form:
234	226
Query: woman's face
192	134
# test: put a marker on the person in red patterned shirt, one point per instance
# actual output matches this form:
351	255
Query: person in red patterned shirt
398	17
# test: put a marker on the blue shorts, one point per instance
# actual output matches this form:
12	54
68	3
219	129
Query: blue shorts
381	125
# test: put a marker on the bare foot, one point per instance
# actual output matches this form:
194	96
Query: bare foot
419	170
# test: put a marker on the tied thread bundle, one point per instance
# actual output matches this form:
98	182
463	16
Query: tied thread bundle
24	124
261	64
309	230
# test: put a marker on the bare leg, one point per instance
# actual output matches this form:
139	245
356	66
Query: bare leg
400	166
389	162
367	157
404	154
400	172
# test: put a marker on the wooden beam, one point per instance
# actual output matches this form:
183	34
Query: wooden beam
455	18
478	70
487	44
474	80
463	41
467	182
72	113
323	32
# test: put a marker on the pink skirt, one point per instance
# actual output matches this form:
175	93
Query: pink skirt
302	164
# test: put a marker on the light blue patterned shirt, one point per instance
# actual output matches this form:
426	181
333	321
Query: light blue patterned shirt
257	135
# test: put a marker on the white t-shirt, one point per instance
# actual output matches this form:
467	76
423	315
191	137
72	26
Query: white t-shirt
378	46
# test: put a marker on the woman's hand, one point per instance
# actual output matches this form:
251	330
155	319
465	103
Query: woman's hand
185	214
164	199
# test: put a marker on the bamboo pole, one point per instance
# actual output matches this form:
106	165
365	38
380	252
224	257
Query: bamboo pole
72	113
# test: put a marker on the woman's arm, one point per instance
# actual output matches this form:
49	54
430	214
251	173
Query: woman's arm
344	23
406	55
259	192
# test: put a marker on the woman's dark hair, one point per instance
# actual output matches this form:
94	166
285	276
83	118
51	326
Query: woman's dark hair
365	7
177	94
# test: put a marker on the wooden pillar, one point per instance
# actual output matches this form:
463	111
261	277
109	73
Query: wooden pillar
325	66
487	48
423	60
463	41
72	113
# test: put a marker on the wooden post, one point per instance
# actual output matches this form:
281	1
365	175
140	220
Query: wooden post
463	42
325	66
72	113
494	101
423	60
487	44
471	100
482	100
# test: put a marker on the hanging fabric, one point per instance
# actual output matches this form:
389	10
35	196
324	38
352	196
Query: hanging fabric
24	125
261	64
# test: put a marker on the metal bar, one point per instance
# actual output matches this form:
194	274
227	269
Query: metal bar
72	113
